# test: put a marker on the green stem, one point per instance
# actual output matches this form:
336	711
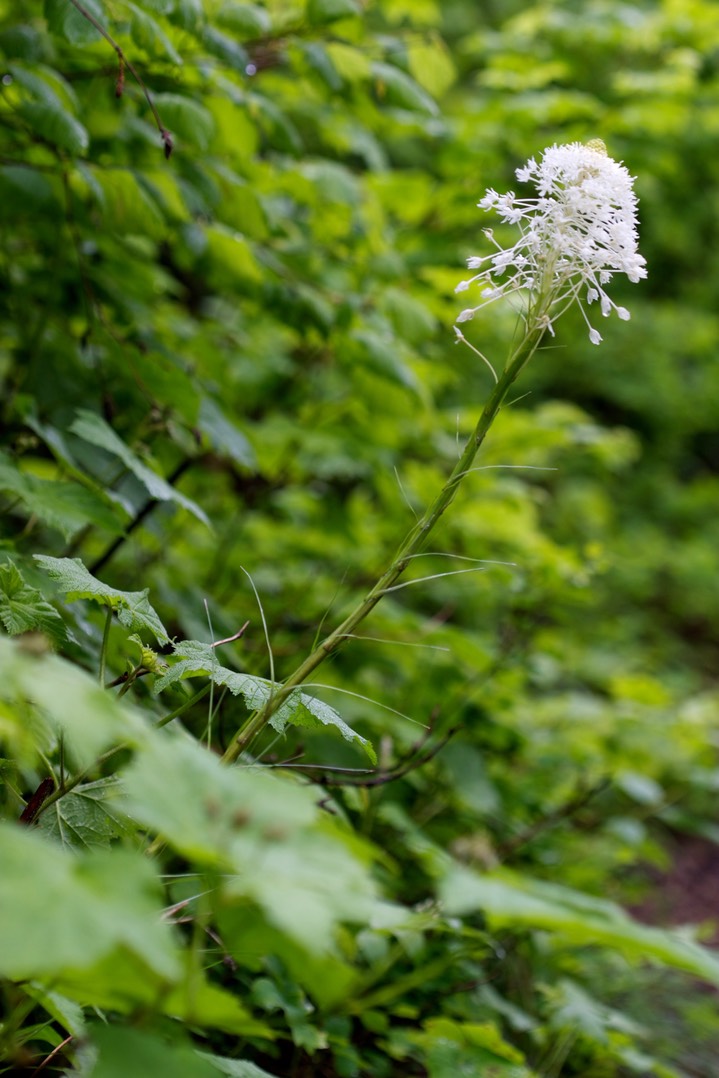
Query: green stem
411	545
103	649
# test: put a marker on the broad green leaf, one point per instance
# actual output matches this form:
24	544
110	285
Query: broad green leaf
235	1068
397	88
87	816
103	900
47	695
431	65
300	709
149	35
223	435
249	21
123	1051
67	506
54	124
187	119
127	206
510	899
65	19
93	429
265	831
324	11
132	607
233	259
23	609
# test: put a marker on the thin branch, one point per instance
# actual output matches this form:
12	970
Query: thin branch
125	63
563	812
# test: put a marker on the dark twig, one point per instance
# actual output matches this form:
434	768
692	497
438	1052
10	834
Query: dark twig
125	63
32	809
563	812
419	754
147	508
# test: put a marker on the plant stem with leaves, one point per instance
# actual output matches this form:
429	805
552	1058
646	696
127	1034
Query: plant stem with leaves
409	548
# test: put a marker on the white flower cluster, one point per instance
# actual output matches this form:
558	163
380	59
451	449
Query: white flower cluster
578	232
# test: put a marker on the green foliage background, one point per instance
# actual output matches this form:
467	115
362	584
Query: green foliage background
229	384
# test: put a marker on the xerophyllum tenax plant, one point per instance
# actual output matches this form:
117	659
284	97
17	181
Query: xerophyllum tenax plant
576	234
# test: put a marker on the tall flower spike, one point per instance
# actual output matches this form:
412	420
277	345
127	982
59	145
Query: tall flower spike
576	234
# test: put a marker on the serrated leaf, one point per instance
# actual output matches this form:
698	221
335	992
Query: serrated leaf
187	119
510	899
300	709
93	429
397	88
235	1068
64	19
86	816
132	607
23	609
324	11
64	505
103	900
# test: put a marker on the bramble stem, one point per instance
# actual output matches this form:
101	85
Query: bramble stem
411	545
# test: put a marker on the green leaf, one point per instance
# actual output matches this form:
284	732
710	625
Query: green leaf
127	206
132	607
187	119
510	899
64	505
123	1051
397	88
300	709
54	124
23	609
235	1068
87	816
149	35
93	429
249	21
324	11
64	19
103	900
223	435
50	695
264	831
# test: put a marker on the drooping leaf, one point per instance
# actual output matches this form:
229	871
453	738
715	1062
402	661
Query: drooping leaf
510	899
64	505
132	607
223	435
23	609
247	20
96	431
102	899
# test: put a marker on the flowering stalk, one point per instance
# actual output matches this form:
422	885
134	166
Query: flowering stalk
579	232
